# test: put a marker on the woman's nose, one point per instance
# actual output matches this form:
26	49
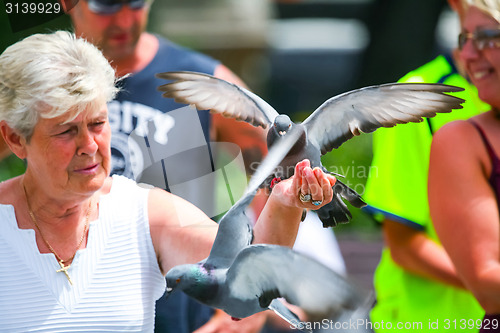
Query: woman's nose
86	143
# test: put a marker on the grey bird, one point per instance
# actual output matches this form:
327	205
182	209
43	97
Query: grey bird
243	279
334	122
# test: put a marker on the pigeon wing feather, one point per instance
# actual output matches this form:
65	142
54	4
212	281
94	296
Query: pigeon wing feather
366	109
271	271
235	228
207	92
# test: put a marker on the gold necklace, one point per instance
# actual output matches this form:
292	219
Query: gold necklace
61	262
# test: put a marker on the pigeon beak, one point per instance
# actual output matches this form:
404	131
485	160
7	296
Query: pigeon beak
168	291
281	133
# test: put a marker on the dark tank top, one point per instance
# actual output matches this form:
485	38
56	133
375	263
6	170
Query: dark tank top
494	179
491	322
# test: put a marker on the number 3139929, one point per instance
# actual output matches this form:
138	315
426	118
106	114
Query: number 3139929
32	8
471	323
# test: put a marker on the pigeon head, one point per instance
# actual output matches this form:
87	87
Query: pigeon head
282	124
194	280
180	276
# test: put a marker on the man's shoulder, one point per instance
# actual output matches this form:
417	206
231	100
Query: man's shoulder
183	58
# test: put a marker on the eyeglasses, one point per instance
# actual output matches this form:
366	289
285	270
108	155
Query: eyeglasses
109	7
481	38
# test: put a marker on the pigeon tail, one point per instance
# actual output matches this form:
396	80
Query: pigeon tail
334	213
304	215
350	195
285	313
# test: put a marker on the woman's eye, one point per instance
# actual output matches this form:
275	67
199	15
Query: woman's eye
68	131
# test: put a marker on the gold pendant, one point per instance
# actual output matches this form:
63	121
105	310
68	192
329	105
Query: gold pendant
64	269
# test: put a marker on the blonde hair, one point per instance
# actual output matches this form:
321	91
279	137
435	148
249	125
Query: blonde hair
49	75
491	7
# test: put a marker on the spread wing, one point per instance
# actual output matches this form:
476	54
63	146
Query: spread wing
271	271
366	109
235	228
207	92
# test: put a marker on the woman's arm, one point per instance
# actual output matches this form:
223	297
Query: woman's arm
279	221
182	233
464	209
417	253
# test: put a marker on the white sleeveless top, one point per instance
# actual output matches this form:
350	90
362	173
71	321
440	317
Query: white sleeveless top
116	278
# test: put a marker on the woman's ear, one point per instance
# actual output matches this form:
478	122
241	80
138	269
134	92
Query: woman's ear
458	6
68	5
15	141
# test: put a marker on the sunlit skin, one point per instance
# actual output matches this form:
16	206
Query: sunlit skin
482	66
463	204
69	160
68	163
129	48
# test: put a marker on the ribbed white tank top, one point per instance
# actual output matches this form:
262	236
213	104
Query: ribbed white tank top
116	278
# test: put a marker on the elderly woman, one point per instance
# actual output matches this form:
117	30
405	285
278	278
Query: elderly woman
464	174
80	250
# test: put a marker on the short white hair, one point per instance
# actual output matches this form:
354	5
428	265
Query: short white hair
49	75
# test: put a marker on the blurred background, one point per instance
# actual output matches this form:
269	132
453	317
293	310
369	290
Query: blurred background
296	54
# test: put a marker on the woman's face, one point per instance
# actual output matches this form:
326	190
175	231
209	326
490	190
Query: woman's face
482	66
70	158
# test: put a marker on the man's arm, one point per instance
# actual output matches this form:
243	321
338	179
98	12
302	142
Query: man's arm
250	139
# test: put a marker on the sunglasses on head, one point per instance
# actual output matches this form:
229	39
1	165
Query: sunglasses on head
482	38
108	7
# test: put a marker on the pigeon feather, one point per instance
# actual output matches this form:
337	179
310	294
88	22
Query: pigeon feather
334	122
299	279
244	279
191	88
235	228
364	110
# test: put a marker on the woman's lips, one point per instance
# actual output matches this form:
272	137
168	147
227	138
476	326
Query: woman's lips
91	169
480	72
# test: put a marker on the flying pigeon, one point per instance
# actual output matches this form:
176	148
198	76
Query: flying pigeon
243	279
331	124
